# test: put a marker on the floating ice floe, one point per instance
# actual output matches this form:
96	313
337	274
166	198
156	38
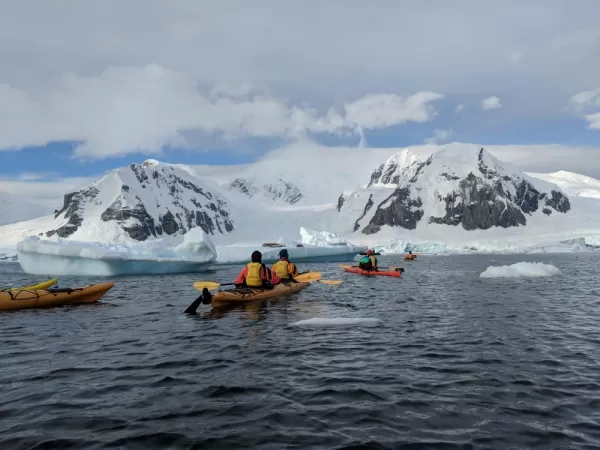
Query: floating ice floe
192	252
520	270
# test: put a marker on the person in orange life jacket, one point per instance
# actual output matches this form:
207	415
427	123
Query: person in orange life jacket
285	269
368	262
256	274
410	256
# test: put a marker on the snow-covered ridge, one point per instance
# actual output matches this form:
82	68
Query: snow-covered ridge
277	190
572	183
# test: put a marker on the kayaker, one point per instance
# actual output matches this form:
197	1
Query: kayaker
368	262
283	268
410	256
256	274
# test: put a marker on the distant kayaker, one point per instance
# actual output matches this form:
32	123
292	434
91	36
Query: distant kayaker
256	274
283	268
368	262
410	256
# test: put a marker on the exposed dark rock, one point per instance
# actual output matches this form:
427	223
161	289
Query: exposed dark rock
368	206
73	205
399	209
547	211
340	202
169	224
120	211
484	210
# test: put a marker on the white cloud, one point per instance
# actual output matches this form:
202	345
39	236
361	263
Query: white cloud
439	136
143	109
492	102
265	42
587	105
459	108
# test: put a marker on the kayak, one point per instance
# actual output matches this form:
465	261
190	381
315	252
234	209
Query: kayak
44	298
247	294
43	285
370	273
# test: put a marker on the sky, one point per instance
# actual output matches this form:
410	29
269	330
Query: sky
87	86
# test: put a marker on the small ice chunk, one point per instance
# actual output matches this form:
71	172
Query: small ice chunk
521	269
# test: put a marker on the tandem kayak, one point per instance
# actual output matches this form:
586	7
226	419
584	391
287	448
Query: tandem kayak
371	273
33	287
45	298
247	294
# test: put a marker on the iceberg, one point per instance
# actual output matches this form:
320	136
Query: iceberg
8	255
315	246
304	254
193	252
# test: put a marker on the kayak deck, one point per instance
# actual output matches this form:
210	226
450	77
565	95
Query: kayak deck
371	273
45	298
249	294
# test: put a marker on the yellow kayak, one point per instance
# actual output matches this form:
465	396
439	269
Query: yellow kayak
34	287
42	298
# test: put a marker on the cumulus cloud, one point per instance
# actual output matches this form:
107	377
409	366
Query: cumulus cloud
492	102
459	108
146	108
587	105
439	136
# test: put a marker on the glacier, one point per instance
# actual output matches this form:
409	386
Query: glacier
194	252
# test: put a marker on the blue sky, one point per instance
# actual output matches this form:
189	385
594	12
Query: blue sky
208	83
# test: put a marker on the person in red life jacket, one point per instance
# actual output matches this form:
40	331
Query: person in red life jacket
256	274
368	262
285	269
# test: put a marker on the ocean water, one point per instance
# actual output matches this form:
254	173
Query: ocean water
450	361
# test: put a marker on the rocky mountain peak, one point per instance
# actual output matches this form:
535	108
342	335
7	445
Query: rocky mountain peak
466	186
142	201
397	167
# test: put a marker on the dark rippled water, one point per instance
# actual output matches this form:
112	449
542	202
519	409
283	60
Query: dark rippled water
456	362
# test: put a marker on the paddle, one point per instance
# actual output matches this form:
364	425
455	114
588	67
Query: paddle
306	277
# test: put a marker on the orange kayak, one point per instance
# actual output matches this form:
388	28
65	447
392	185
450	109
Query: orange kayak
244	295
45	298
371	273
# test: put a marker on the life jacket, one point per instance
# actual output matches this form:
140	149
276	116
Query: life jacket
255	270
364	260
284	269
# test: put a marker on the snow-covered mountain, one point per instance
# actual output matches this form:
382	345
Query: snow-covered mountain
452	194
15	208
396	168
456	186
277	190
138	202
573	184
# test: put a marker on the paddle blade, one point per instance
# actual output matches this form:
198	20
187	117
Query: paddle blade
330	281
210	285
396	269
343	266
308	277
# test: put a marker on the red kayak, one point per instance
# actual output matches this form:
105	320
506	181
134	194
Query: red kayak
370	273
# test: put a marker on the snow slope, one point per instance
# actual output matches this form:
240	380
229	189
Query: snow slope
573	184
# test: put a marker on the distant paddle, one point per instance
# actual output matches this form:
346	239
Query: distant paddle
397	269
